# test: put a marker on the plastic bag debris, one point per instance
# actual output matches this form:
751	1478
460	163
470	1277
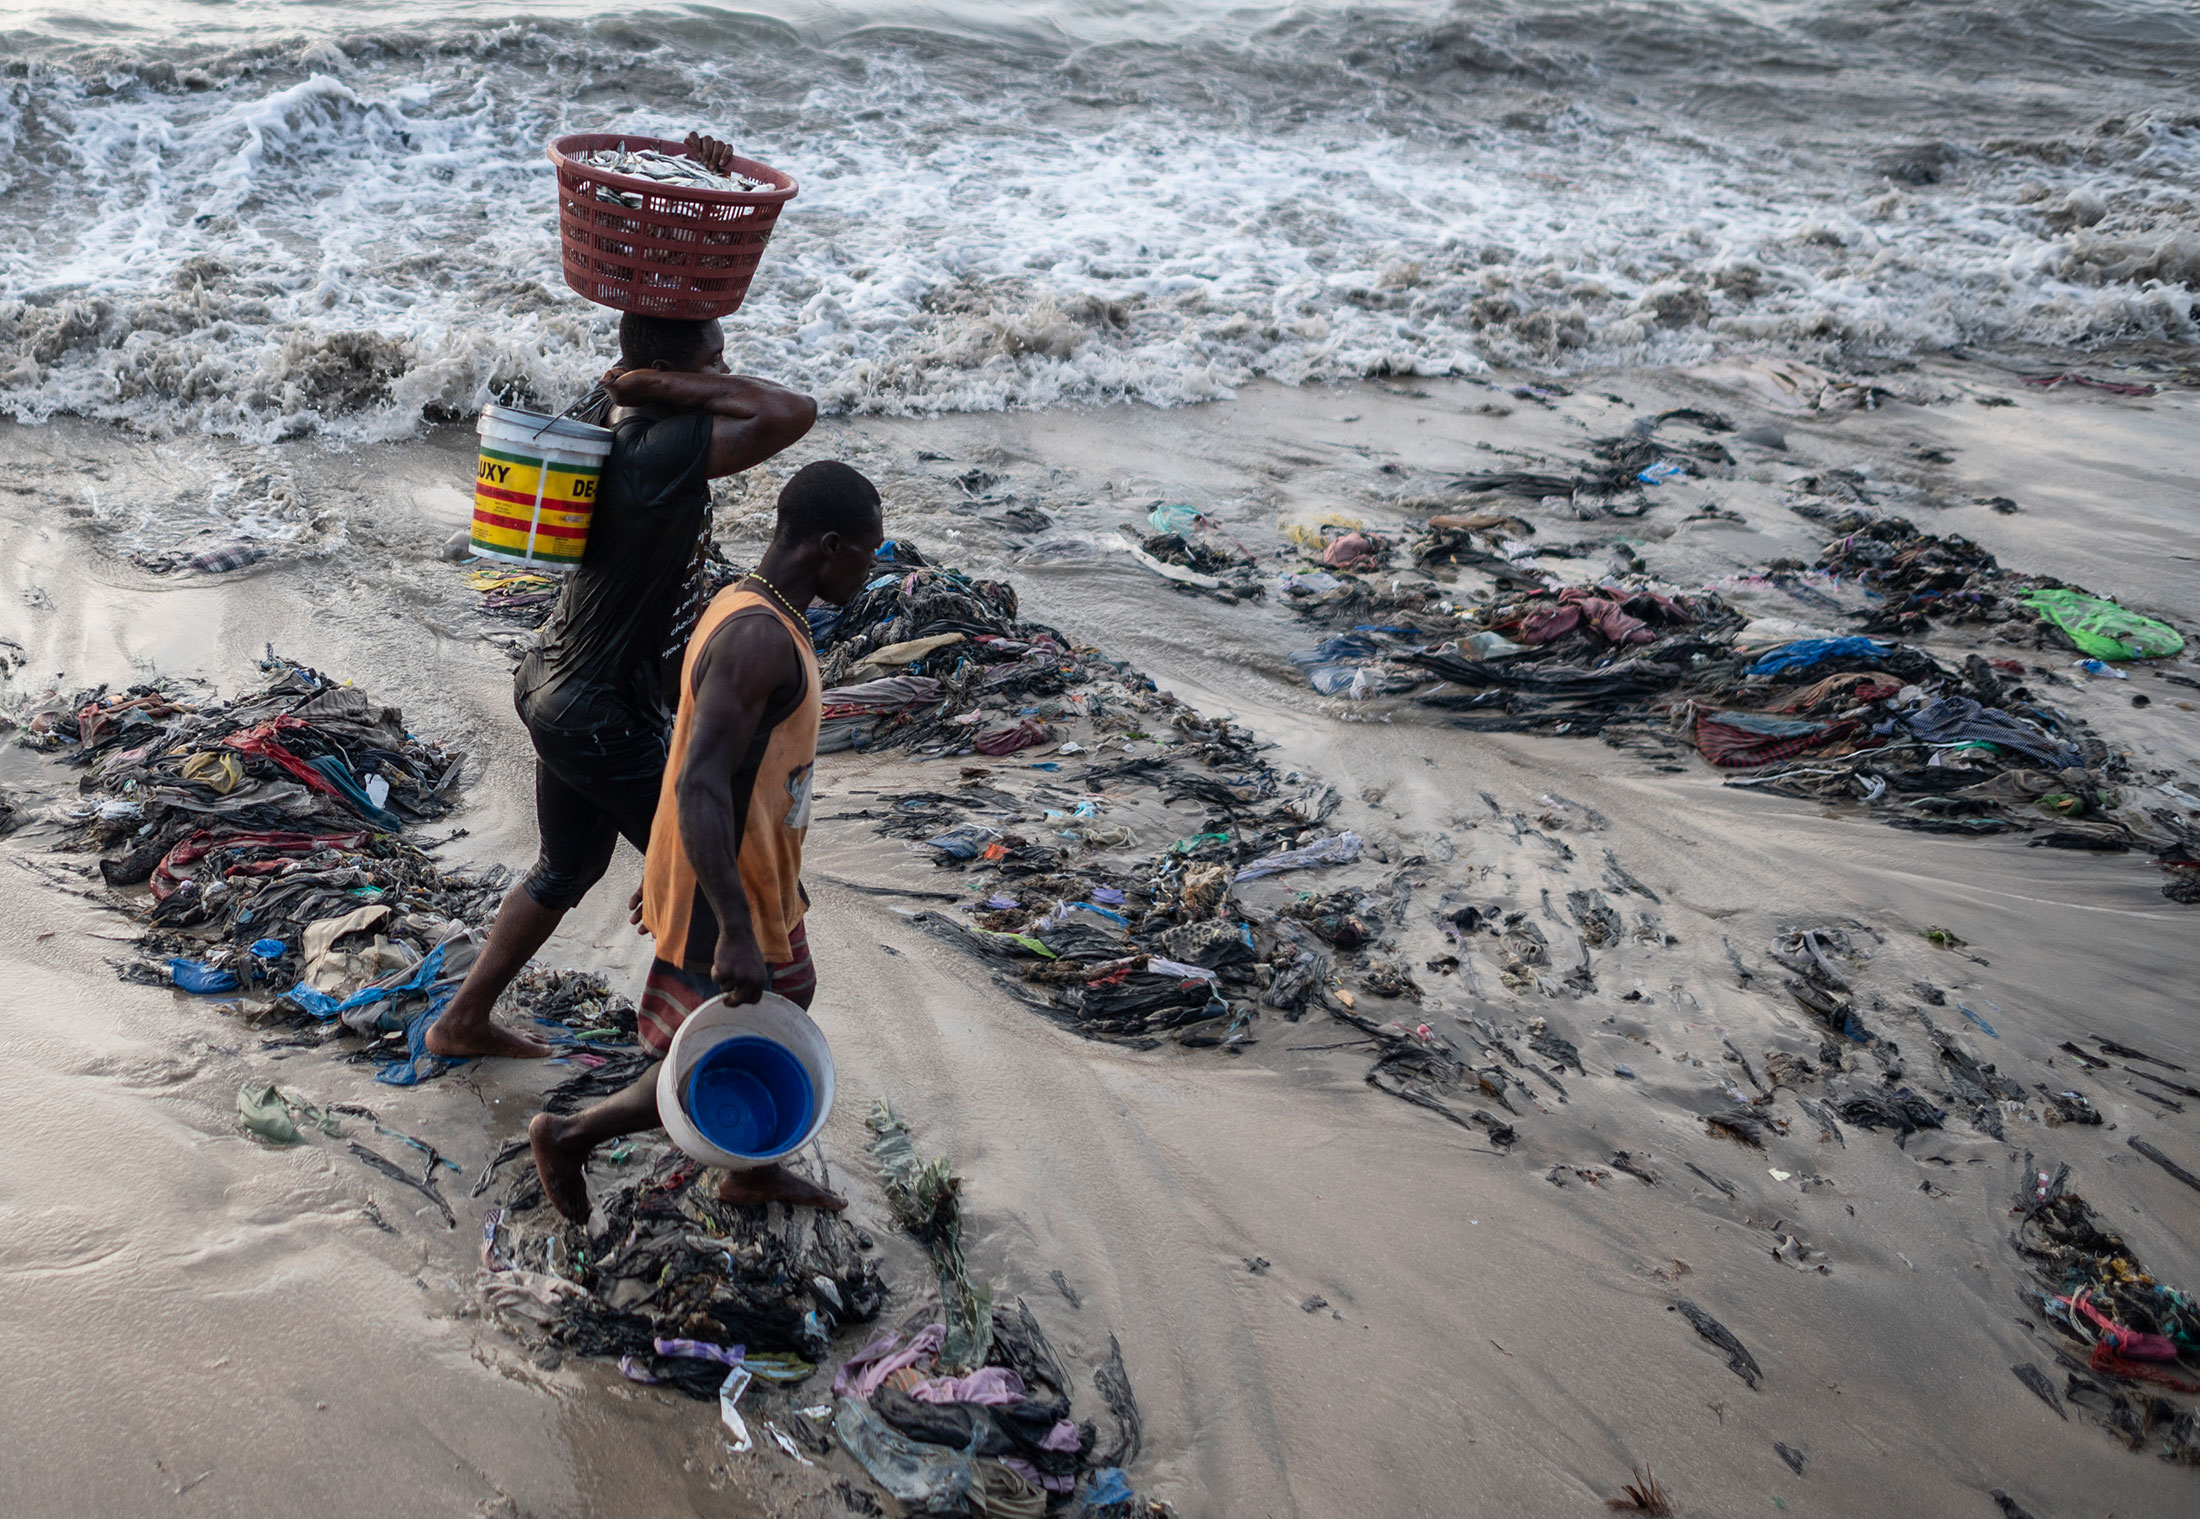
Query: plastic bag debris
273	1113
200	978
928	1479
2103	629
1108	1488
1337	849
729	1408
926	1196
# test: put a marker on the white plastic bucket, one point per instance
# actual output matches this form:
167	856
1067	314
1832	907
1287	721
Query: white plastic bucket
535	487
716	1022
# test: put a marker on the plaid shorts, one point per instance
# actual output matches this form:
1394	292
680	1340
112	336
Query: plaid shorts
673	991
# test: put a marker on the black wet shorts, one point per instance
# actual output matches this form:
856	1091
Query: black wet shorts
589	791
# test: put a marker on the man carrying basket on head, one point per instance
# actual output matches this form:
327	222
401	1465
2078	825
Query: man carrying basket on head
598	690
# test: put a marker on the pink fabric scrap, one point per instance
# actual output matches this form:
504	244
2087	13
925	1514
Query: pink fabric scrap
1012	737
1353	549
1577	606
868	1369
990	1385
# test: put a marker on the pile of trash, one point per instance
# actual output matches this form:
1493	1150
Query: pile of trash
672	1264
1128	950
963	1407
1861	717
303	754
514	594
1920	579
931	661
1183	547
267	831
2126	1343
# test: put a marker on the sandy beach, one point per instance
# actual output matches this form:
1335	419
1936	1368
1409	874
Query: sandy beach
1510	907
1437	1325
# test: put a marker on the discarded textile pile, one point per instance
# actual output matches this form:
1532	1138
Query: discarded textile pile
929	660
1127	945
963	1408
1133	951
513	593
1558	659
302	754
966	1409
266	831
1182	547
671	1264
1848	717
1922	579
2128	1345
1824	965
991	1437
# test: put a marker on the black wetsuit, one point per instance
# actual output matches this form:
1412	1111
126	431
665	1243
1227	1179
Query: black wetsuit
598	689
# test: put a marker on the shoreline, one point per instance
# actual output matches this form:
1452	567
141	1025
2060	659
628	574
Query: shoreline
1183	1165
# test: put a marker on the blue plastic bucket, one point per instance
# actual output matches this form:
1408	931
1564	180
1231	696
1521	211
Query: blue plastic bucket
750	1096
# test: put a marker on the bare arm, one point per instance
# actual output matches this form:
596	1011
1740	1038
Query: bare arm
746	667
753	419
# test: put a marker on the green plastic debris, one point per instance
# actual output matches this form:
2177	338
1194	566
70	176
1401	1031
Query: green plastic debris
926	1196
272	1113
2103	629
778	1366
1196	841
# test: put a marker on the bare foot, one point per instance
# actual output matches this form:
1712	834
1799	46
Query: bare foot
772	1184
558	1162
456	1040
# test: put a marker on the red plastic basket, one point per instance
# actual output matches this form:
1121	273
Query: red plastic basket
685	253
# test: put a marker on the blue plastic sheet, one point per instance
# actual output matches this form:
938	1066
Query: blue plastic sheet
418	1064
1109	1487
199	978
1340	664
321	1005
1806	652
964	843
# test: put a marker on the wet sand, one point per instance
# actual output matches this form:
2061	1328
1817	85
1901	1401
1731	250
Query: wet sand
1491	1340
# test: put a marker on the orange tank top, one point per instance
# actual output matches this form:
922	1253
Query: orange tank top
777	814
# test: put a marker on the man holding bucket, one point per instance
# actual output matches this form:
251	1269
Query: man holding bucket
722	891
597	690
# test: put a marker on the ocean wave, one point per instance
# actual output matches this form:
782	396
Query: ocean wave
352	233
